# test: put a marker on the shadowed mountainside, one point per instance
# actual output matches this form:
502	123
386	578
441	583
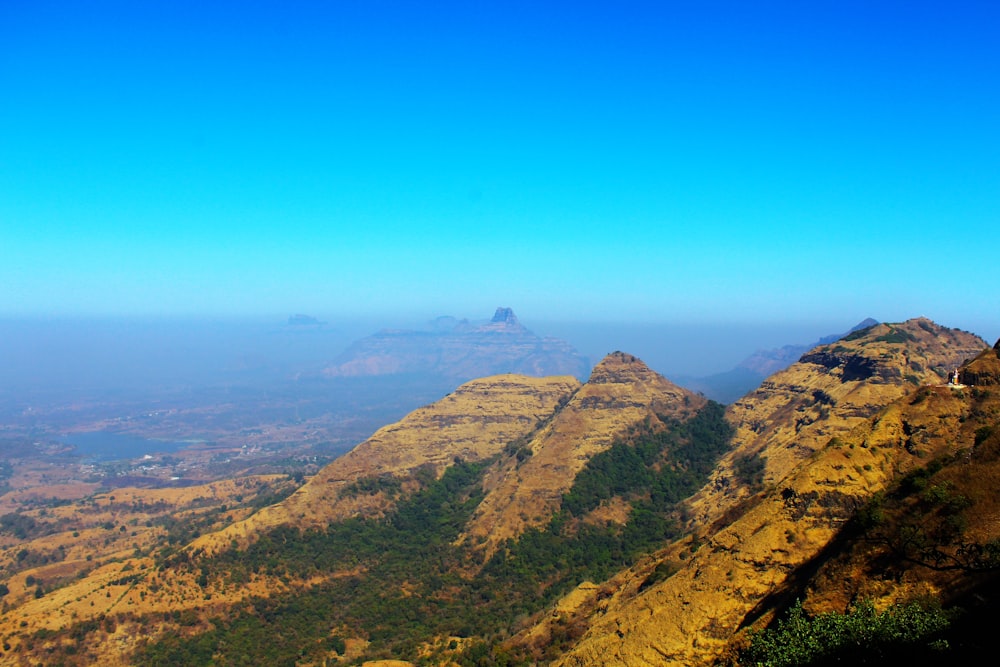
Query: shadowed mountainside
472	423
730	385
828	433
458	534
831	390
621	391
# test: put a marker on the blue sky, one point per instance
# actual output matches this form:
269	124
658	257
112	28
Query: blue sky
648	162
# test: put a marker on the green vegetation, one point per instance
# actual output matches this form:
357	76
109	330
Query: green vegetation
19	525
400	581
860	333
896	336
660	466
369	486
749	470
863	635
396	589
923	519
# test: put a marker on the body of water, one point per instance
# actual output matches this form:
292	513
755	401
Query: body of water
105	446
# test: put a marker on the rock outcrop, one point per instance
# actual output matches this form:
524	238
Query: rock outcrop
983	370
474	422
733	384
831	390
690	618
827	442
525	491
505	316
769	362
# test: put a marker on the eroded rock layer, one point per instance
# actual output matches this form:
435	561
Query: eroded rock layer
525	492
831	390
474	422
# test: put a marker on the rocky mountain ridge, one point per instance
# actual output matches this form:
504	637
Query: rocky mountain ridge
478	500
480	423
826	444
733	384
621	391
830	391
983	370
692	617
472	423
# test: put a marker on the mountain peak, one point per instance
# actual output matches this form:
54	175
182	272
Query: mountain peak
618	367
505	316
863	324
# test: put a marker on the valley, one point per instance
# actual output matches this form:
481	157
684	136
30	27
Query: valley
524	520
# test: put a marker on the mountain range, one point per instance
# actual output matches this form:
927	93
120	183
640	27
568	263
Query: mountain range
730	385
460	350
843	510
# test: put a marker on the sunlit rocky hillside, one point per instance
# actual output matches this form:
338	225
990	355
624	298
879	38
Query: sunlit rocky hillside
522	520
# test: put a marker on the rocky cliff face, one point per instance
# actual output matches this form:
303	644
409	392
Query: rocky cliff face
925	537
505	316
828	443
474	422
984	370
831	390
813	445
462	351
690	618
733	384
548	429
768	362
525	489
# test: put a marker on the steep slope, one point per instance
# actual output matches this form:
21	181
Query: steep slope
828	392
474	422
738	569
441	532
733	384
146	593
524	491
936	531
769	362
374	540
461	351
984	370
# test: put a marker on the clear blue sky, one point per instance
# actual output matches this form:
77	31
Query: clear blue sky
656	162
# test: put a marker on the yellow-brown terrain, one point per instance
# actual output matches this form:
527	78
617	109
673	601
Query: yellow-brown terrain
525	491
813	446
818	476
922	537
472	423
984	370
831	390
72	559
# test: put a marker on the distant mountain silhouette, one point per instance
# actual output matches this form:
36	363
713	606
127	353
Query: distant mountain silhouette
620	521
461	350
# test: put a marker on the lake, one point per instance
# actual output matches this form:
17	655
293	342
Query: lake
106	446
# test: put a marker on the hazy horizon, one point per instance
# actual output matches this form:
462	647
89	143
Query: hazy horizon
85	357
